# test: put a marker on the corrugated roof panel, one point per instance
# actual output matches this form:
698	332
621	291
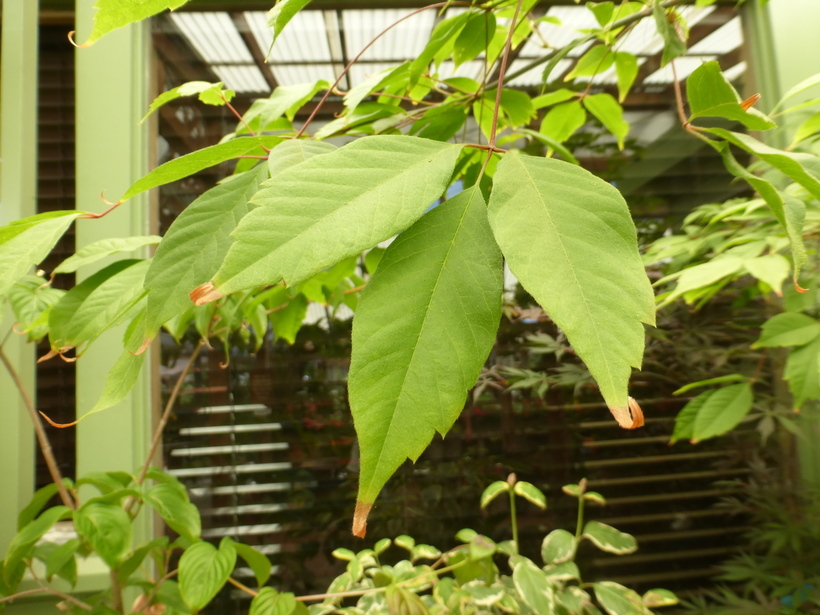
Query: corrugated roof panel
305	73
533	76
691	14
609	76
723	40
642	36
684	67
735	71
242	78
573	18
360	72
214	36
472	70
304	39
406	40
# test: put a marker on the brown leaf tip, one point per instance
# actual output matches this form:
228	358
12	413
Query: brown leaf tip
630	417
360	518
205	293
749	102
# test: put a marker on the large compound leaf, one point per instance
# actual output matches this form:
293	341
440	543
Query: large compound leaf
113	14
334	206
194	246
26	242
423	329
570	240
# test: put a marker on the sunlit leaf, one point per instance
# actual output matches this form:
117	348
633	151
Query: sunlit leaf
281	14
597	60
561	122
113	14
209	93
103	248
773	269
626	69
568	237
609	113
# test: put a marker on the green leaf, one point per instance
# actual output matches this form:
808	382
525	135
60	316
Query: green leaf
25	539
493	491
609	539
189	164
443	38
803	372
722	411
203	570
334	206
136	557
281	14
440	123
705	274
271	602
804	85
802	168
424	327
553	146
533	586
99	250
656	598
119	382
194	245
609	113
561	122
564	571
773	269
788	329
807	129
685	420
375	82
597	60
113	14
96	304
62	562
619	600
285	100
531	493
474	38
674	38
568	237
293	152
27	242
258	562
287	322
208	93
558	547
626	69
107	528
711	95
31	299
553	98
175	509
40	498
711	381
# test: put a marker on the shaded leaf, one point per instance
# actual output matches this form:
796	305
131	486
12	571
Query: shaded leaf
208	93
475	37
443	36
285	100
711	381
597	60
25	539
659	597
203	570
493	491
807	129
773	269
619	600
31	299
558	547
107	528
175	509
803	372
424	327
533	586
609	539
569	238
674	38
609	113
258	562
722	411
788	329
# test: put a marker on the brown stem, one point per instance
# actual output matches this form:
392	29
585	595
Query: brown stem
116	590
154	591
236	113
42	438
48	590
244	588
359	55
164	418
678	96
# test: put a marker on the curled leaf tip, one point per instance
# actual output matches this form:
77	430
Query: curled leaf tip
49	355
205	293
144	346
360	519
630	417
57	425
74	43
799	288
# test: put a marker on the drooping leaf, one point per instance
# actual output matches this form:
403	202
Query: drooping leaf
334	206
531	493
96	304
670	29
609	539
619	600
103	248
113	14
803	372
558	547
175	509
533	586
208	93
119	382
107	528
287	321
561	122
281	14
609	113
475	37
569	239
424	327
493	491
272	602
25	539
443	37
626	69
258	562
788	329
31	299
189	164
194	245
597	60
27	242
722	411
62	561
711	95
203	570
773	269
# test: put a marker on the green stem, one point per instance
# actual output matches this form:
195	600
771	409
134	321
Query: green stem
514	520
579	528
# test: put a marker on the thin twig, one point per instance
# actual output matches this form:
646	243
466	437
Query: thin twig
54	592
154	591
678	96
48	590
244	588
42	438
165	415
236	113
359	55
